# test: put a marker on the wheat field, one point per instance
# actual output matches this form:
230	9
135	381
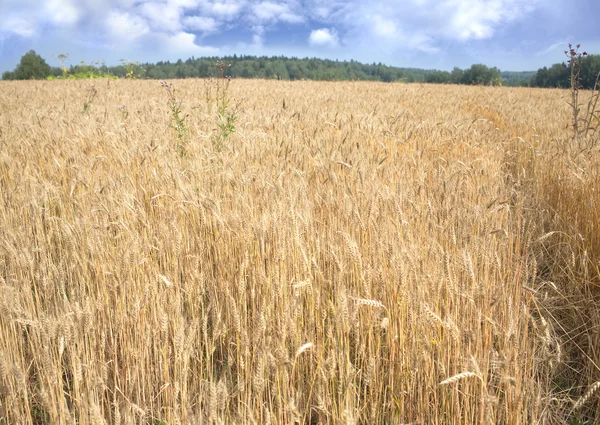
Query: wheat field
356	253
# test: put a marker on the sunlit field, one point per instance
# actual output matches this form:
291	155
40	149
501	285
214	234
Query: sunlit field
352	253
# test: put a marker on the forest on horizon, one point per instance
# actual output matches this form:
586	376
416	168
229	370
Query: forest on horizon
33	66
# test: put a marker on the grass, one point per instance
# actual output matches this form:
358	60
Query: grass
359	253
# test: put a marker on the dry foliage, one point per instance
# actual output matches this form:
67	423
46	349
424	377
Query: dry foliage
358	253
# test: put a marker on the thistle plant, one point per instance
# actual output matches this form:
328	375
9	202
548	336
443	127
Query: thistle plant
177	117
124	112
227	109
91	95
584	121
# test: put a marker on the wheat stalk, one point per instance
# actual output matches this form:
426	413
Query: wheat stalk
166	281
588	394
367	302
459	377
303	348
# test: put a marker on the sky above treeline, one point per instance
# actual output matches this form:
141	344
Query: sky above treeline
514	35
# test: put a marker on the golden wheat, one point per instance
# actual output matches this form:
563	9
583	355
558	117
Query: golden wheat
140	285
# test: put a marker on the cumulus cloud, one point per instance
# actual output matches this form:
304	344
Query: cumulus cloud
162	17
19	26
384	27
126	27
227	11
331	10
184	3
184	44
323	37
268	11
476	19
200	23
62	12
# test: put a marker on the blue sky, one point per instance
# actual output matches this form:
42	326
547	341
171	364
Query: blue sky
510	34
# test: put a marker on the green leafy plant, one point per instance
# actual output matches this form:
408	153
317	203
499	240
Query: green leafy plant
584	121
227	108
63	59
132	69
177	117
576	420
82	71
91	95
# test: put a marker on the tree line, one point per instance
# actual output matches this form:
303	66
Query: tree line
33	66
559	74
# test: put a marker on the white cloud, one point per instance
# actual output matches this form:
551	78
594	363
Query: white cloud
19	26
384	27
183	44
200	23
125	27
62	12
184	3
268	11
162	17
226	11
474	19
324	37
328	10
258	36
321	12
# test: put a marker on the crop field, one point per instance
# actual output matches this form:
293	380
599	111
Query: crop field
272	252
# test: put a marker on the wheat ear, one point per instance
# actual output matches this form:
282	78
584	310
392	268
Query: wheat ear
590	392
458	377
